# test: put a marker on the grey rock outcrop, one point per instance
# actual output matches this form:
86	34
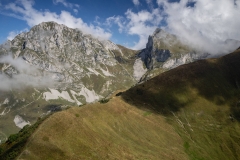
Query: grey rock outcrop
152	53
62	66
165	51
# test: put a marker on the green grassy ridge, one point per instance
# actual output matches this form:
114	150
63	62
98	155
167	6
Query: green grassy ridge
16	142
201	101
113	130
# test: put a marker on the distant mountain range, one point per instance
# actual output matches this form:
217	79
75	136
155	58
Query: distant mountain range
52	67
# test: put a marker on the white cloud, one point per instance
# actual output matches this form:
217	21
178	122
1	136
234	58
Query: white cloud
150	4
24	9
136	2
117	20
27	75
142	24
13	34
66	4
161	2
137	26
75	11
206	25
149	1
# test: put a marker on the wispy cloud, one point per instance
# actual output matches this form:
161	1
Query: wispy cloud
75	11
119	20
66	4
24	10
150	4
12	34
205	24
27	75
136	2
142	24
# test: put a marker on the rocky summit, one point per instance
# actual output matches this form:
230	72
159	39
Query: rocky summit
52	67
165	51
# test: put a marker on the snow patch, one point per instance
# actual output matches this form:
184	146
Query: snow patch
138	70
55	94
106	73
169	64
172	63
4	112
6	101
89	95
94	71
20	122
74	97
108	45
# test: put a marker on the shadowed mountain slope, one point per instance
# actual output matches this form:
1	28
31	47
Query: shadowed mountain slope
191	112
216	80
201	101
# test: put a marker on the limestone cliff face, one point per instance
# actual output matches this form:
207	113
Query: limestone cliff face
165	51
72	58
153	53
82	70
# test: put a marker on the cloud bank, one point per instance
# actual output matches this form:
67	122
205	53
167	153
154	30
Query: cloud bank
23	9
142	24
207	25
26	75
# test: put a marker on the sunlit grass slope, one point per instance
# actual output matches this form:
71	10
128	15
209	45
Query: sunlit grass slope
190	112
201	101
114	130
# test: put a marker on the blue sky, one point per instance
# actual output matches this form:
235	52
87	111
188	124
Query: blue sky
92	12
128	22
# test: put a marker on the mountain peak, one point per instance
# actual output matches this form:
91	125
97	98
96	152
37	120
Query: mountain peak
157	31
49	26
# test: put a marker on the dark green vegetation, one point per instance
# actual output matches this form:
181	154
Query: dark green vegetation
16	142
104	100
201	101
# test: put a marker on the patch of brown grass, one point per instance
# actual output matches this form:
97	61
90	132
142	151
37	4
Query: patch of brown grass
114	130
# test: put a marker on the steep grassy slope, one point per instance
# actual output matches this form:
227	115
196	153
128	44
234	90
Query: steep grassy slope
191	112
114	130
201	101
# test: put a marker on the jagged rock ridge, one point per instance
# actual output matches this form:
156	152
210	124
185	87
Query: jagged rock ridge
165	51
83	69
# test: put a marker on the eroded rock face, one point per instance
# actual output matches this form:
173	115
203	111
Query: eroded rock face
70	57
77	69
165	51
152	53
